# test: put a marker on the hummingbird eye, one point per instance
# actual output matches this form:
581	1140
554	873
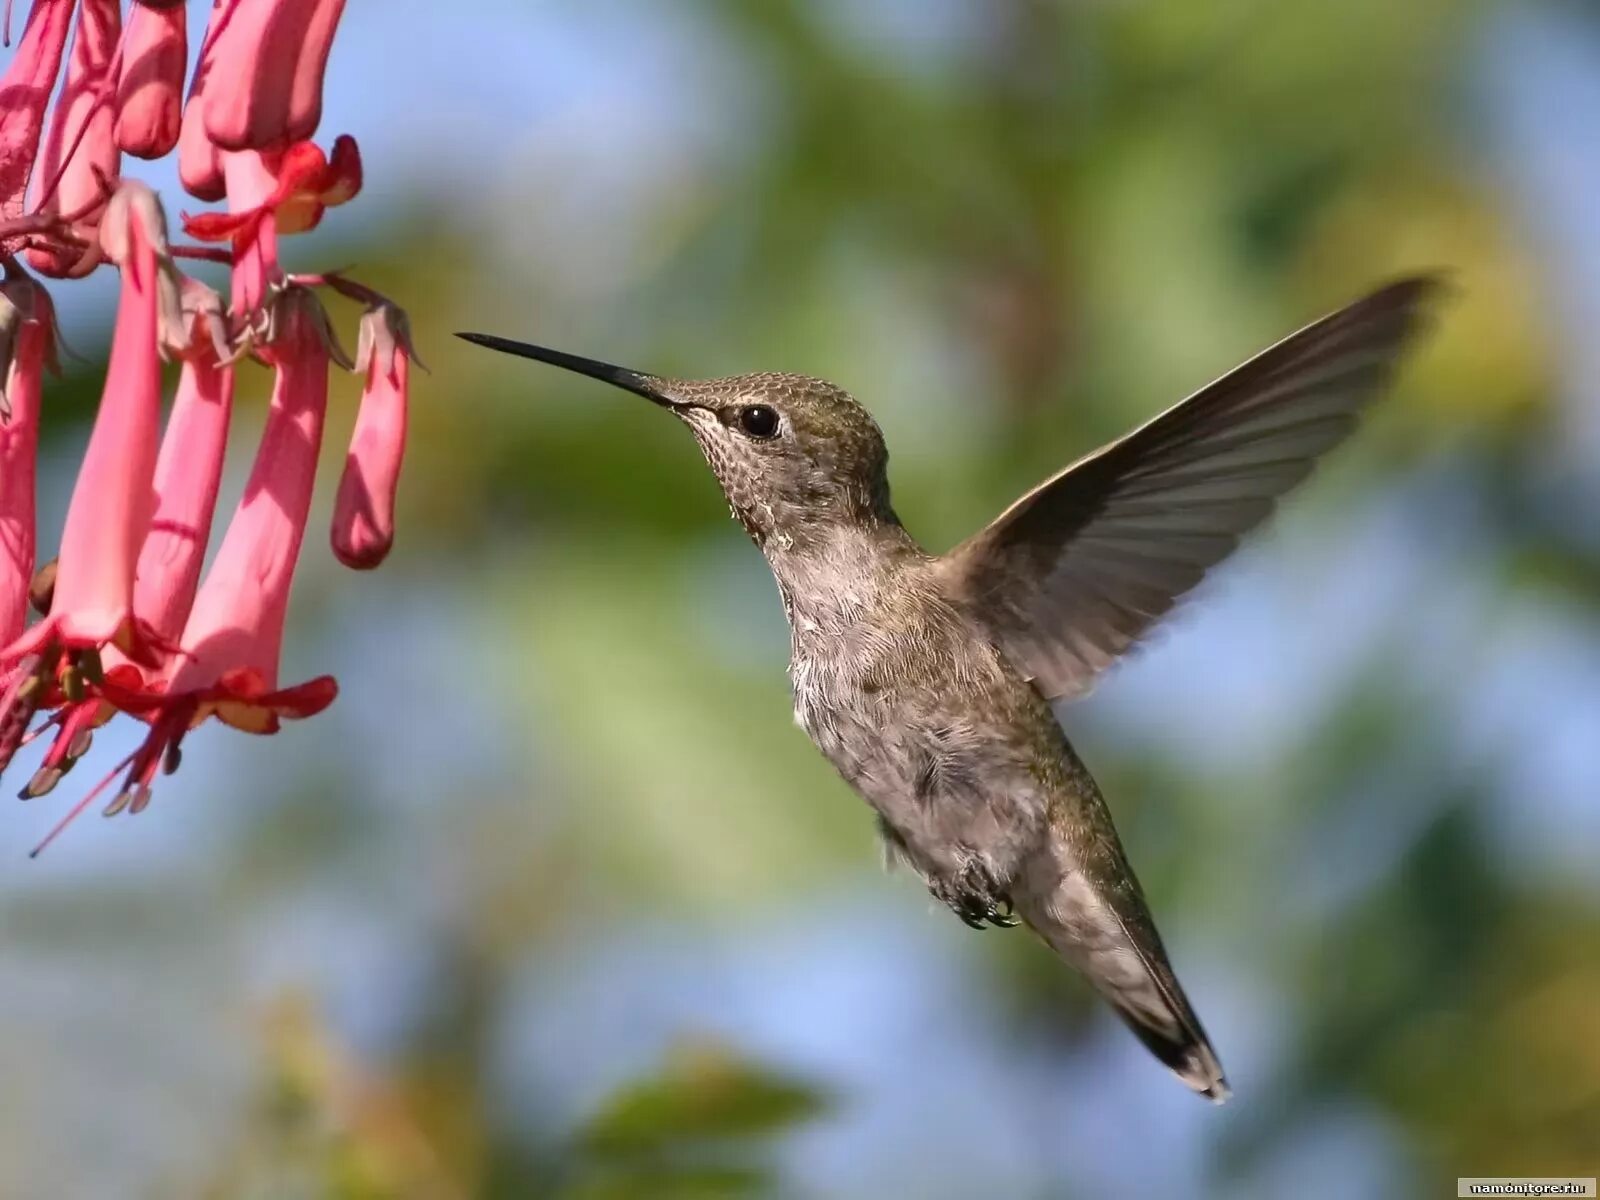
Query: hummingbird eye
759	420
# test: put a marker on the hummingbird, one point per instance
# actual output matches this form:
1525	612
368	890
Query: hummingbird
927	680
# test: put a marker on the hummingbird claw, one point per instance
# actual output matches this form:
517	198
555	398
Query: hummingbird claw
1003	916
975	897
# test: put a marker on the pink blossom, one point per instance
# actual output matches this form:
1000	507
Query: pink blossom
155	51
111	504
188	471
233	640
251	182
295	188
269	64
187	475
237	621
256	58
130	625
363	514
77	169
24	93
199	159
271	194
27	347
305	97
27	336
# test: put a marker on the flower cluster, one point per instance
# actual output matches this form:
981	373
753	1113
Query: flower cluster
126	622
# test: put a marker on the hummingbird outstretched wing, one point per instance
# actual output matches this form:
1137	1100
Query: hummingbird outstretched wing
1081	567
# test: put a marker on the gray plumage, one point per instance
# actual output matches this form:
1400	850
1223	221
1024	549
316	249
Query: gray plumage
926	679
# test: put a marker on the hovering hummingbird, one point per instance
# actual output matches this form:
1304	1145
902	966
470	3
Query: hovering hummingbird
926	680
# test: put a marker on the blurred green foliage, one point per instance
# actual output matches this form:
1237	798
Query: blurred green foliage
323	1127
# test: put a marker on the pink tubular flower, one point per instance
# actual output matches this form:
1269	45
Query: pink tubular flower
256	58
269	66
251	184
234	637
294	188
199	160
24	93
27	347
78	167
110	509
155	51
131	625
305	97
27	338
273	194
363	513
188	473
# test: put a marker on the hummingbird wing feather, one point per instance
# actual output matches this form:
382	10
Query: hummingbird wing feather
1080	568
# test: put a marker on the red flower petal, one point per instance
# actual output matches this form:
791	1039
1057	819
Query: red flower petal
343	180
219	227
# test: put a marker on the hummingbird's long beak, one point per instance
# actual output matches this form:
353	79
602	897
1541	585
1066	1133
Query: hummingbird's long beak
637	382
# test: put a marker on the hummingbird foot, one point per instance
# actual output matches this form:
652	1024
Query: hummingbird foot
975	896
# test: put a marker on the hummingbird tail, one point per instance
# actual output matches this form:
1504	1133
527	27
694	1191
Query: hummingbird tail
1121	954
1184	1051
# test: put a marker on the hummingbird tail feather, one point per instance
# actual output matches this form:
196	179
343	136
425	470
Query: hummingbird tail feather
1125	961
1188	1055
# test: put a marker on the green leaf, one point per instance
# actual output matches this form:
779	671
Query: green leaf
674	1183
703	1092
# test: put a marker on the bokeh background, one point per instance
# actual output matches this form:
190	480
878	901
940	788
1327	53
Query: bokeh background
557	902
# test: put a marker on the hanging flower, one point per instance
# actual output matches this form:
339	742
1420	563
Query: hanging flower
27	86
27	348
233	640
363	512
131	622
188	471
270	60
272	193
149	102
199	158
110	510
78	168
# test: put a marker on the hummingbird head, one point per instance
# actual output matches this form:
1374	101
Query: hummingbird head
794	455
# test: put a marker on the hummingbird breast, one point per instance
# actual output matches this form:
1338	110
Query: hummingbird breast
921	714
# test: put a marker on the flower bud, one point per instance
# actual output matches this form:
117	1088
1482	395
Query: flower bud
155	53
257	55
363	513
